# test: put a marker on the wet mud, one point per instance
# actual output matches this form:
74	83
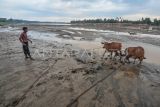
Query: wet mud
74	79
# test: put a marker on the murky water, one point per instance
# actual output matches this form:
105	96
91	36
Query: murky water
139	35
152	52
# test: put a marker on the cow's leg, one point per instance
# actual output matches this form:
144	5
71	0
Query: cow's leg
129	60
140	61
134	61
104	54
111	55
127	57
120	53
120	59
120	56
116	54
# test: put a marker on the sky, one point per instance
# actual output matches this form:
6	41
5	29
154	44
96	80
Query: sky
67	10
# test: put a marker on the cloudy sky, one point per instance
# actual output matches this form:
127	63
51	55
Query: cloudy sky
66	10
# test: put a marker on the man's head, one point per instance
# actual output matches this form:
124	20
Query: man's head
25	29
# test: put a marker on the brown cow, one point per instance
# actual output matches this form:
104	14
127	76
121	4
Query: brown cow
112	47
135	53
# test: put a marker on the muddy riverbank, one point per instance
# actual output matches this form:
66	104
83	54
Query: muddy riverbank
68	62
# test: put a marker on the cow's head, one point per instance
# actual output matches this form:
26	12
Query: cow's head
105	44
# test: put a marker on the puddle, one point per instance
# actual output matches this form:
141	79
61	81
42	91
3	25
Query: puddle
9	29
68	31
92	30
44	36
66	36
79	33
79	38
51	24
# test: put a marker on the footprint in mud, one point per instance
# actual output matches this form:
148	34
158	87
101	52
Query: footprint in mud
76	70
89	71
155	85
60	77
91	68
130	71
157	71
131	74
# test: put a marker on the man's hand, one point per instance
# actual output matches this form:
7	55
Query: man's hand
29	40
23	44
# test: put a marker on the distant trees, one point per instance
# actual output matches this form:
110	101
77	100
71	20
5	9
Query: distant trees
4	21
147	21
156	22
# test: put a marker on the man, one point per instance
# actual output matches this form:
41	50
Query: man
24	40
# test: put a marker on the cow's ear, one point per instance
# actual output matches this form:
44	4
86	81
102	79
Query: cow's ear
102	42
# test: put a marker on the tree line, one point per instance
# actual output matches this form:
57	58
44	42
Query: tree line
4	21
147	21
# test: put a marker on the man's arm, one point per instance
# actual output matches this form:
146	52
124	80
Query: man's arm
20	39
29	40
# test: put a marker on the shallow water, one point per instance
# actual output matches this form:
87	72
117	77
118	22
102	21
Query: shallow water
152	52
44	36
139	35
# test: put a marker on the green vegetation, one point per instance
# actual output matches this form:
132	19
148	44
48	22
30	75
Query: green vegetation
147	21
4	21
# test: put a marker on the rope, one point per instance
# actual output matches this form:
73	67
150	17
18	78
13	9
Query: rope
76	99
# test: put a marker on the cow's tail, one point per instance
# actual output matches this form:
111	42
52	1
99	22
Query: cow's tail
144	58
